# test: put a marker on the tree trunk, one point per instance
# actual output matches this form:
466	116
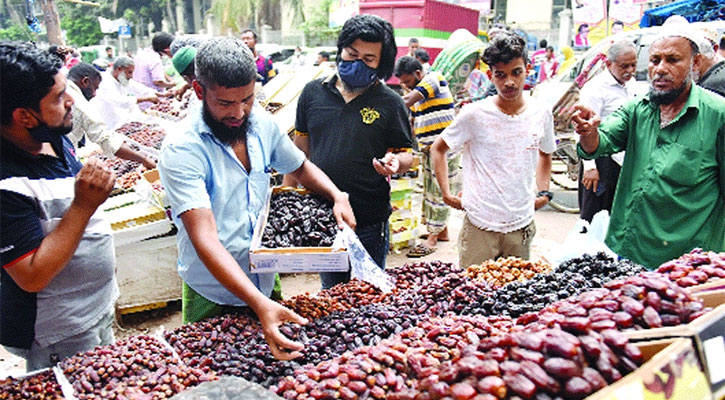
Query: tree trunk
170	16
14	15
52	22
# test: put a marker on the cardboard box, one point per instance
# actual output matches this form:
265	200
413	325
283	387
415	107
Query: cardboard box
292	259
707	334
671	371
708	286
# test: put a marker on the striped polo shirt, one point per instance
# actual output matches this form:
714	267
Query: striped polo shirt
436	111
35	193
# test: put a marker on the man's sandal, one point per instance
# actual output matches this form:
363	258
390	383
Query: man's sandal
420	250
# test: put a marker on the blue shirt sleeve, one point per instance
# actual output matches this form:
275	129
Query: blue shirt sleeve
184	171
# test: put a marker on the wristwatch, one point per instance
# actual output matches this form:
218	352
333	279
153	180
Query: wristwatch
545	193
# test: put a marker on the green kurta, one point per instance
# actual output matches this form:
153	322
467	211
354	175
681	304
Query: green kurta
670	195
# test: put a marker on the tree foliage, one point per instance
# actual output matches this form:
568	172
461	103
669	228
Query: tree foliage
80	23
317	26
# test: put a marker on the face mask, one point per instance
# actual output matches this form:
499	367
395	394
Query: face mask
356	73
45	134
122	79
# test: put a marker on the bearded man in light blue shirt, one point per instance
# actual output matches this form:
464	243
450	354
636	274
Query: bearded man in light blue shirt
216	175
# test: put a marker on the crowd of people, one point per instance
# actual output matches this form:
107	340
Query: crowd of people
352	133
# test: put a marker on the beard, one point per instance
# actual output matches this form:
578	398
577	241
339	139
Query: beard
87	93
225	134
664	97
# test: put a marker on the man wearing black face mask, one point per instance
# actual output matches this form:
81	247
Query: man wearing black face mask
356	129
58	282
83	81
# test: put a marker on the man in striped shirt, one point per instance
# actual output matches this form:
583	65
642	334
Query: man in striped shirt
56	251
432	107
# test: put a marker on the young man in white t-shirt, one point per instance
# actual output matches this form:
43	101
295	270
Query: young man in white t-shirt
507	141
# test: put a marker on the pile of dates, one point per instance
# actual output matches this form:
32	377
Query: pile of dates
355	293
149	135
42	386
547	364
140	366
235	345
695	268
449	293
383	371
644	301
419	274
337	333
470	358
231	344
299	220
571	278
505	270
313	307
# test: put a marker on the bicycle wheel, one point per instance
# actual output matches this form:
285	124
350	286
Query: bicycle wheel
563	208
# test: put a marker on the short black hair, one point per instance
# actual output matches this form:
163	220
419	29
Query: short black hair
83	70
412	40
371	29
579	29
254	34
423	55
407	65
161	41
549	48
505	48
543	43
27	74
618	23
324	55
109	48
722	42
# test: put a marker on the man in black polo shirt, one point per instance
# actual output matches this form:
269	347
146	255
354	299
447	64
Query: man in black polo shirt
56	252
357	131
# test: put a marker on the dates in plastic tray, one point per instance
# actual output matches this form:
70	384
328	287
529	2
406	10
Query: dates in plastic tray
299	220
41	386
140	366
695	268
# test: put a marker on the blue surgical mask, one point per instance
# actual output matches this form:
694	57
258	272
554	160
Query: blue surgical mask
356	73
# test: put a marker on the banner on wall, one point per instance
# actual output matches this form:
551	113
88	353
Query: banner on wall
590	19
624	15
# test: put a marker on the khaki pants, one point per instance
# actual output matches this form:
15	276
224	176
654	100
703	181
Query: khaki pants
478	245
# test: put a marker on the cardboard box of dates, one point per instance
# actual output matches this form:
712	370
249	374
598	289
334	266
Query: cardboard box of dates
707	334
671	372
295	233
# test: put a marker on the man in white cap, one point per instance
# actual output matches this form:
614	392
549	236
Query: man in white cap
710	73
671	191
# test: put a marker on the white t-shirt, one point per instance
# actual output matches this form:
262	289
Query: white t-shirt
500	153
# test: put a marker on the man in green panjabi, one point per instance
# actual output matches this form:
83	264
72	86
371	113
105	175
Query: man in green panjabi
670	195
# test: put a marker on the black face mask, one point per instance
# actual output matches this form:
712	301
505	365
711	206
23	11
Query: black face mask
222	132
46	134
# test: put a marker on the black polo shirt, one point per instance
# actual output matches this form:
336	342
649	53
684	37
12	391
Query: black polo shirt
345	137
